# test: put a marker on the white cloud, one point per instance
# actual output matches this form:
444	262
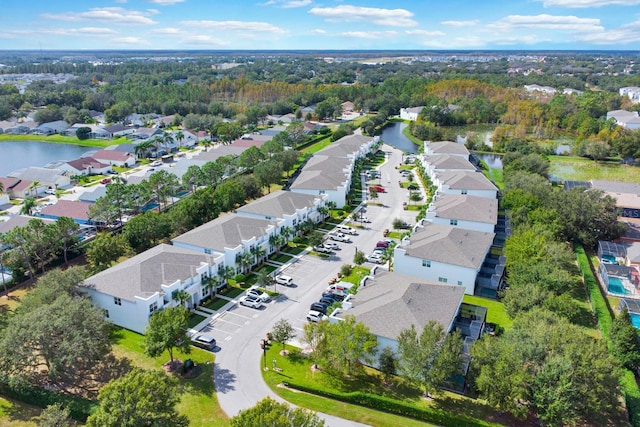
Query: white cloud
203	40
244	26
375	35
165	2
588	3
389	17
86	31
319	31
287	4
168	31
425	33
628	33
115	15
131	42
460	23
548	22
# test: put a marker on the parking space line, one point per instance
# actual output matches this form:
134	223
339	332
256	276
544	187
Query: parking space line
227	321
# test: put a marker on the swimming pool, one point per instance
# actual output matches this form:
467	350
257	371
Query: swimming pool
609	259
182	193
635	319
615	286
149	207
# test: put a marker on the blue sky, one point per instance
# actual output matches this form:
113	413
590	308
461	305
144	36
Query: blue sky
320	24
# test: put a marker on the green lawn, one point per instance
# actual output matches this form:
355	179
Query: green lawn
216	303
198	398
296	368
495	310
581	169
17	414
294	249
231	291
194	319
356	275
281	258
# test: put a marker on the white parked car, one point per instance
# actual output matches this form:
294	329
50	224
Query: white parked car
340	237
316	316
250	301
156	163
375	258
262	296
323	249
330	245
365	219
284	280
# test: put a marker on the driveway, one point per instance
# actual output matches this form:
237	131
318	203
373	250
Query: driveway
237	373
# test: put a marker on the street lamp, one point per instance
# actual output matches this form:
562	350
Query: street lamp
263	346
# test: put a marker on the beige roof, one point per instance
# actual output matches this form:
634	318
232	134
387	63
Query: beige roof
449	162
228	231
392	302
466	180
467	208
447	147
450	245
279	203
144	274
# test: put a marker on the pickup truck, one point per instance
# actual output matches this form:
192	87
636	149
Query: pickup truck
339	237
322	249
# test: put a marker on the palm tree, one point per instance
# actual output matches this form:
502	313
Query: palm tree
324	212
1	188
261	253
277	241
167	138
34	186
179	136
182	297
226	273
246	261
27	206
143	149
287	232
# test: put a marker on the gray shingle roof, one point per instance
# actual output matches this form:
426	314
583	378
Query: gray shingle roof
465	180
228	231
345	146
279	203
448	161
393	302
322	173
451	245
448	147
467	208
39	174
144	274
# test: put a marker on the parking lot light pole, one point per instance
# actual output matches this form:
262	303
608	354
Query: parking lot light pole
263	346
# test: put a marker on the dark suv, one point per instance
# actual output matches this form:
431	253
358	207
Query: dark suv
319	306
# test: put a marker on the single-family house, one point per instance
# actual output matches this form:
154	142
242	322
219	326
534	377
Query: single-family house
465	183
19	221
115	158
78	211
117	131
445	147
444	254
624	118
17	188
325	175
91	196
131	291
18	129
146	133
231	235
83	166
631	92
411	113
51	128
46	178
293	208
348	107
534	88
468	212
388	302
626	194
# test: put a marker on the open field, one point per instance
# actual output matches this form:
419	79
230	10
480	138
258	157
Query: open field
581	169
58	139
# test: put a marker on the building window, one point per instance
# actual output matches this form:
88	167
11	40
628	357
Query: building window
207	251
117	301
463	191
453	222
459	283
268	217
426	263
106	314
153	307
321	192
442	279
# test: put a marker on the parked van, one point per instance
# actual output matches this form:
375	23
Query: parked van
346	230
204	341
284	280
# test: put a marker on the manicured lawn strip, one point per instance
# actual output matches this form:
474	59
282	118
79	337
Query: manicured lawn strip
495	310
366	390
216	303
356	275
326	226
282	258
232	292
313	148
194	319
293	249
198	399
395	235
628	382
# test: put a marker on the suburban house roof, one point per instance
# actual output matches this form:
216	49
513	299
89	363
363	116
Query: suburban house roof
627	194
116	128
466	180
228	231
56	126
39	174
126	148
415	110
392	302
449	245
86	162
322	173
116	155
144	274
447	161
447	147
20	221
93	195
346	146
279	203
70	208
251	140
219	151
15	184
467	208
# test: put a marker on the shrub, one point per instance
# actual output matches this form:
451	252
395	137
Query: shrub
297	240
240	278
79	408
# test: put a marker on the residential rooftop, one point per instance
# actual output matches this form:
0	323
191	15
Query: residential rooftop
323	173
467	208
279	203
465	180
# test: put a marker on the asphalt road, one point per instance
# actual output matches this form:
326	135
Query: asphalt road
237	375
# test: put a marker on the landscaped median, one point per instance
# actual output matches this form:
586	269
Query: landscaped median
603	314
364	398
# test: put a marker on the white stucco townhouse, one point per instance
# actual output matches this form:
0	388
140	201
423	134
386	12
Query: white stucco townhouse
445	147
130	292
445	163
468	212
324	175
293	208
464	183
231	235
444	254
410	113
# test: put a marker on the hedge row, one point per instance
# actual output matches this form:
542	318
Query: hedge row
79	408
627	382
392	406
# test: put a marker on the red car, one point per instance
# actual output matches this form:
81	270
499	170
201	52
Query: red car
105	180
377	189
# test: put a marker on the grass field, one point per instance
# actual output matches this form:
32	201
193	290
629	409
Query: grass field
495	310
17	414
198	399
581	169
58	139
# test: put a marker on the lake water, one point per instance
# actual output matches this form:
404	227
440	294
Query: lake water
392	135
494	161
16	155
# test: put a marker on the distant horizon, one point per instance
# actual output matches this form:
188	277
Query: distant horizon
285	25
